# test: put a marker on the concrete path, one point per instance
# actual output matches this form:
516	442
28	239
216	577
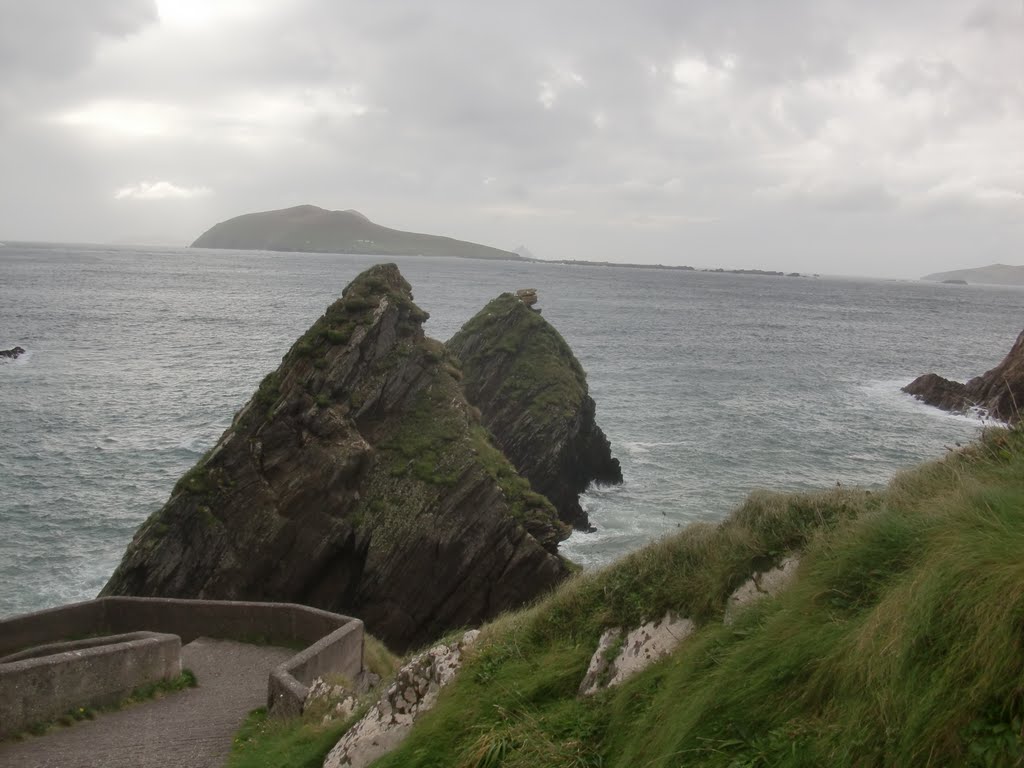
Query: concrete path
189	729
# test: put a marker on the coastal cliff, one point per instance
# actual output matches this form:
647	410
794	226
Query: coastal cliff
533	397
357	479
999	392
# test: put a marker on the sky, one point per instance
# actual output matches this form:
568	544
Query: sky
863	138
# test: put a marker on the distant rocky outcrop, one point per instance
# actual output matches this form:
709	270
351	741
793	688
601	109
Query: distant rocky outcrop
533	397
12	354
993	274
999	392
312	229
357	479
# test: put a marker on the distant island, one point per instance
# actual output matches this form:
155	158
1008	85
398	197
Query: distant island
994	274
311	229
316	230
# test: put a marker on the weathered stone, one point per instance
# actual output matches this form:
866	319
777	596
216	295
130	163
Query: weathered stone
533	397
647	644
761	585
642	647
384	727
527	295
998	393
12	353
357	479
597	675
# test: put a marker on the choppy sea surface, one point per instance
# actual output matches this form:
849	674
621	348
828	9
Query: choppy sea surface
708	385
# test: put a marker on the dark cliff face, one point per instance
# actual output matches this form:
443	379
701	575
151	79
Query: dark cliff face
532	395
356	479
999	392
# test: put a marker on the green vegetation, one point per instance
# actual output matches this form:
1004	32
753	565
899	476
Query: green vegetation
534	510
143	693
900	644
298	742
267	742
422	445
539	369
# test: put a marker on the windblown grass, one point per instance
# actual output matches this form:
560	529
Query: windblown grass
900	643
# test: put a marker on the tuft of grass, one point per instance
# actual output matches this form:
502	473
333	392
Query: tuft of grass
267	742
901	643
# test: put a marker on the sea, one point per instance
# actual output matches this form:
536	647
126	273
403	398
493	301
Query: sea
709	386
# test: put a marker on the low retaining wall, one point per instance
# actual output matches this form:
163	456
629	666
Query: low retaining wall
90	673
334	643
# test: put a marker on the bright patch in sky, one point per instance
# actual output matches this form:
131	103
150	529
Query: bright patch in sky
194	13
160	190
124	119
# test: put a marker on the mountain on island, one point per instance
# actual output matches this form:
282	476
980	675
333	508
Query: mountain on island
316	230
993	274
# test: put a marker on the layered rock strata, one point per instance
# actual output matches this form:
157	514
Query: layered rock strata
999	393
533	397
357	479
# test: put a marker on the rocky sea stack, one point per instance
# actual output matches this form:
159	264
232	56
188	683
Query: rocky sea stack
533	397
357	479
999	392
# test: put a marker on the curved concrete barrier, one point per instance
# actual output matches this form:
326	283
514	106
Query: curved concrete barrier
333	643
44	683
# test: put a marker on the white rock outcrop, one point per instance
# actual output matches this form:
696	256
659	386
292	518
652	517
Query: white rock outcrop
389	721
759	586
641	648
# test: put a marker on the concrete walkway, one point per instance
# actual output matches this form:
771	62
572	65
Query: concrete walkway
189	729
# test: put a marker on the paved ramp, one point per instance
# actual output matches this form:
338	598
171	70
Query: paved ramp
188	729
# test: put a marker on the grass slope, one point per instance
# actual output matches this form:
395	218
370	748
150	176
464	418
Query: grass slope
900	644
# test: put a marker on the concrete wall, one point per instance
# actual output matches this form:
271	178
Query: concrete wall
67	622
39	689
338	654
333	643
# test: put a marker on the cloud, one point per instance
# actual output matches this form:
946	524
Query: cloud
52	38
160	190
801	113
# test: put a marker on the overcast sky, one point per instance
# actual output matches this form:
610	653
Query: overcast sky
878	138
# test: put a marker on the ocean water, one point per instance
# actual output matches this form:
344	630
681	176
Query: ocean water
708	385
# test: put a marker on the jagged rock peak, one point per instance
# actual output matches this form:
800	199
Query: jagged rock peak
357	479
999	393
533	397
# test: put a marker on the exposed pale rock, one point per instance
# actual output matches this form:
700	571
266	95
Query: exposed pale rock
762	584
597	672
527	295
389	721
642	647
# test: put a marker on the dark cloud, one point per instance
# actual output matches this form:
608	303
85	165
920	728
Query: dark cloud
53	38
655	130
